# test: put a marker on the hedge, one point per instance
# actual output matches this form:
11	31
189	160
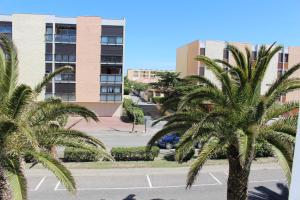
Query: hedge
159	100
133	111
134	153
188	156
79	155
261	150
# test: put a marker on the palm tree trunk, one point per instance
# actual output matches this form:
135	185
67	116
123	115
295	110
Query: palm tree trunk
237	184
5	192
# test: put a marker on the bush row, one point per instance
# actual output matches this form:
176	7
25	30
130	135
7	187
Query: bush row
133	112
134	153
79	155
261	150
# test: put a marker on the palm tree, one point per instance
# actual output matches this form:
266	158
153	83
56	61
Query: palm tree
26	128
238	117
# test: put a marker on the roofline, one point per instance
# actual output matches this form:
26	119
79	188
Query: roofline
67	20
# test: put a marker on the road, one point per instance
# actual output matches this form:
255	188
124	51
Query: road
153	184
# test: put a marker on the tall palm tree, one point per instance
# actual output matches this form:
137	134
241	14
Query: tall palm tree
26	128
239	116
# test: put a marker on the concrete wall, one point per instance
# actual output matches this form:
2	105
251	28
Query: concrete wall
213	50
29	38
193	52
88	50
294	58
103	109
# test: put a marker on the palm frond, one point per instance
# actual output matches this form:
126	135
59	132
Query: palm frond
17	180
60	171
39	87
209	147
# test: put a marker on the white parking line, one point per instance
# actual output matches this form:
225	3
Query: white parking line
57	185
39	184
134	188
265	181
149	181
215	178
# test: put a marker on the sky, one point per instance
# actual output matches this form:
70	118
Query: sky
155	28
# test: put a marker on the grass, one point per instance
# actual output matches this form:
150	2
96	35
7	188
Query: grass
158	163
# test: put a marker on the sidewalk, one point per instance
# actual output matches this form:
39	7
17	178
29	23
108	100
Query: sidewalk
104	124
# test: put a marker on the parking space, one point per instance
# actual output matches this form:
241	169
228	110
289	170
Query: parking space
138	183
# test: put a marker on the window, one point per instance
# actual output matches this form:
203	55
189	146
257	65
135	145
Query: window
104	39
49	30
201	70
225	54
5	29
286	57
202	51
254	55
119	40
135	74
280	57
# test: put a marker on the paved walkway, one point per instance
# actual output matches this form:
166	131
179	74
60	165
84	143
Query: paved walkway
104	124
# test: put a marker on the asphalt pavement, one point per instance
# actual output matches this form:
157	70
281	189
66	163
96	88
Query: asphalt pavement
153	184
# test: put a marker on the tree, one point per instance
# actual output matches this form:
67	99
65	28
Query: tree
238	116
26	128
167	81
131	86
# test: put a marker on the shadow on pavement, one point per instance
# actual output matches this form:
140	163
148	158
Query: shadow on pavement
132	197
263	193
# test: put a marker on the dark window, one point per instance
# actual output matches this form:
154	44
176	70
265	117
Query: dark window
286	57
254	55
202	51
201	71
5	27
225	54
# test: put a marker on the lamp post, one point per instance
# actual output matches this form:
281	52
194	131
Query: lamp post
295	182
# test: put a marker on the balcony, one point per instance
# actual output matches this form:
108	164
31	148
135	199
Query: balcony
61	38
65	77
62	96
111	40
111	97
110	78
111	59
61	58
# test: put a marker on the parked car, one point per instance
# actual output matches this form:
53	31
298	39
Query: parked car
169	141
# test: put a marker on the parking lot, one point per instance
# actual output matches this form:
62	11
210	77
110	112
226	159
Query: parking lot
153	184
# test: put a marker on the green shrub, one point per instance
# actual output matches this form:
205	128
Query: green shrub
79	155
261	150
127	91
159	100
134	153
133	112
189	156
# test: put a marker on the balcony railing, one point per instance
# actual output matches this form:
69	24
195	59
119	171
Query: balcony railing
65	77
111	59
111	40
110	97
63	38
110	78
61	58
63	96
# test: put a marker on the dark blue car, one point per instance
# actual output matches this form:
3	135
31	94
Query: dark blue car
168	141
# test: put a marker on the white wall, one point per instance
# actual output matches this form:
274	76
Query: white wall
29	38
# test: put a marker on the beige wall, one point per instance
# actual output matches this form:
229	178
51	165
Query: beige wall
29	38
88	59
182	60
140	78
104	109
193	52
294	58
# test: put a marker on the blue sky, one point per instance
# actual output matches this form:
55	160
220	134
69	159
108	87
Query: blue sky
155	28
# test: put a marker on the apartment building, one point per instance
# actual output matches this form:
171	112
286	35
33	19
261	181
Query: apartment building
142	75
92	46
187	65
